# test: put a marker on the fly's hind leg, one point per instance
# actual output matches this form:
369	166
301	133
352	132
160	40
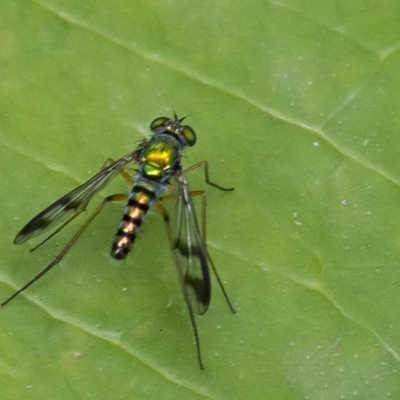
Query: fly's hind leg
64	251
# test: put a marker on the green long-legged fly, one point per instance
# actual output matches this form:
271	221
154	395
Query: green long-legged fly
159	170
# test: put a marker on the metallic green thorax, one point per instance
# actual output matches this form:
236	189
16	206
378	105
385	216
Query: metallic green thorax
159	157
162	153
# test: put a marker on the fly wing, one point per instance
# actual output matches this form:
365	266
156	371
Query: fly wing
73	202
188	247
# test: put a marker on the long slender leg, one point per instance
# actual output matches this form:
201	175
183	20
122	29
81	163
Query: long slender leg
164	213
204	164
64	251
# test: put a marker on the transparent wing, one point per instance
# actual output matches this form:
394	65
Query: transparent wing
188	247
73	202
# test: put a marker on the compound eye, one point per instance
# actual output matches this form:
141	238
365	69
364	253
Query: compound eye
189	134
160	121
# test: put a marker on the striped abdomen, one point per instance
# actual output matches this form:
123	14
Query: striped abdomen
143	195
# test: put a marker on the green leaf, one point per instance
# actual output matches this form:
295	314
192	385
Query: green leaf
297	105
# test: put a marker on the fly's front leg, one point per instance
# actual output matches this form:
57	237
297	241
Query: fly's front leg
206	175
64	251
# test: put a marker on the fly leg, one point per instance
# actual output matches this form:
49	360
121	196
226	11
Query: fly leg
64	251
204	164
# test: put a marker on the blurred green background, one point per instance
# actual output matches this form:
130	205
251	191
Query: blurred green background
299	109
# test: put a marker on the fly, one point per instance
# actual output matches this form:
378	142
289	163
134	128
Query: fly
159	170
